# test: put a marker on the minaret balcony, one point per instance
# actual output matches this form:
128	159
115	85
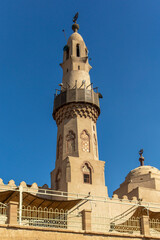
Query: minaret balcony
77	96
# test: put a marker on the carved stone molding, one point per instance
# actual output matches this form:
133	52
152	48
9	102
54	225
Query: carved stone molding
70	142
85	141
76	109
89	165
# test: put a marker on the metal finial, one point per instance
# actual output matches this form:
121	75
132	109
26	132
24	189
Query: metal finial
75	26
141	159
75	17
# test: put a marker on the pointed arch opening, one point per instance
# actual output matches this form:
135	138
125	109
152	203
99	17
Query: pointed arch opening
78	50
87	173
70	142
85	141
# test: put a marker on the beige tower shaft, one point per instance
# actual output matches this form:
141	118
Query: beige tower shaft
76	110
75	64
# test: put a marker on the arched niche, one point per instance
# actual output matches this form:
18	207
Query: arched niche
87	173
70	142
85	141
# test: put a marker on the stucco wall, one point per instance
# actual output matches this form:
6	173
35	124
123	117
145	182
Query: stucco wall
33	233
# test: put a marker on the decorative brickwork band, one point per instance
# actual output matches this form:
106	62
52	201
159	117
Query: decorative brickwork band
73	110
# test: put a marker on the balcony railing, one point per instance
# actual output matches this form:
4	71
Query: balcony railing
76	95
122	225
154	225
3	213
49	217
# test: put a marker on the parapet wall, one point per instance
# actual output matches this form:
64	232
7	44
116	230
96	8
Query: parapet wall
34	233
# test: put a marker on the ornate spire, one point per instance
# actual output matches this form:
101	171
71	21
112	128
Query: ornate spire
141	159
75	26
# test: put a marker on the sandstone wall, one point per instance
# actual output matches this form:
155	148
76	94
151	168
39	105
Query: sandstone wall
14	232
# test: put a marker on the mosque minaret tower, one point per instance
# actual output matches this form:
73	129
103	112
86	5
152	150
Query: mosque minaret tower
76	110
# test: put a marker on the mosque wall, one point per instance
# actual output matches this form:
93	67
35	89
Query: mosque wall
149	195
33	233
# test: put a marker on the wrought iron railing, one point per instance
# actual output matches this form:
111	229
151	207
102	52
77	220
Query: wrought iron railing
104	224
154	225
3	213
48	217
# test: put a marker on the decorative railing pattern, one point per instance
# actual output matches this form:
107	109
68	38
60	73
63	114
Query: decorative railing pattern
104	224
3	213
131	225
64	219
154	225
48	217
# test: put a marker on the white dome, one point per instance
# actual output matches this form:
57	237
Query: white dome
141	171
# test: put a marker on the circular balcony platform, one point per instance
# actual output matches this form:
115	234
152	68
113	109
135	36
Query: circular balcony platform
76	95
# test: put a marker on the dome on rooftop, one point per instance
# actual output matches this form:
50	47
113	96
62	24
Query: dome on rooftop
141	171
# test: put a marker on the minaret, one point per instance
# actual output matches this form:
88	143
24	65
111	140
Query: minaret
76	110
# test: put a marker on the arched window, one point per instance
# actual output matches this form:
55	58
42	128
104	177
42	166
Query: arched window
78	50
70	142
59	147
85	141
87	174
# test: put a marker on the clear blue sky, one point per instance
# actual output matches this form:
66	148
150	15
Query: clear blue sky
123	38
